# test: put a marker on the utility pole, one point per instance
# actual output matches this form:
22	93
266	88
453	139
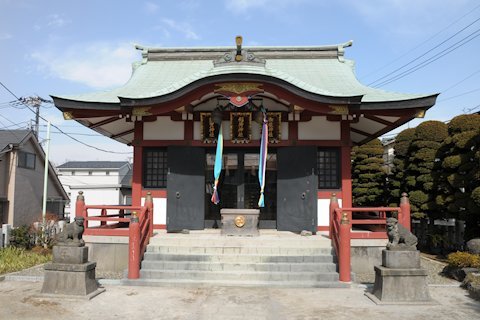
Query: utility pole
45	187
35	102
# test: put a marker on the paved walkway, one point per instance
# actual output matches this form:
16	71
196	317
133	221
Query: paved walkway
122	302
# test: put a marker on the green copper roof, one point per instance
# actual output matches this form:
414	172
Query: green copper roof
318	70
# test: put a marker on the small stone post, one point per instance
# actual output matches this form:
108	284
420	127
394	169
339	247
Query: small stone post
6	230
405	207
333	205
149	205
344	254
134	248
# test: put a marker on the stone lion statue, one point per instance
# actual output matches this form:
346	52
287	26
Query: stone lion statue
399	238
72	233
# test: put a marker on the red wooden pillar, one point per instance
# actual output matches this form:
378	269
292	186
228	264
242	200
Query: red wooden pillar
80	208
333	205
149	205
346	165
137	164
344	252
405	208
134	248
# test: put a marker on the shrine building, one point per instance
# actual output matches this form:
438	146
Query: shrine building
268	128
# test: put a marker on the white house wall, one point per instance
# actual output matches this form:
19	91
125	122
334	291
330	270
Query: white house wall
319	129
163	129
95	196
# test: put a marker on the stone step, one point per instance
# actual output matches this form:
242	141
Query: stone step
247	267
235	258
239	276
295	251
233	283
302	242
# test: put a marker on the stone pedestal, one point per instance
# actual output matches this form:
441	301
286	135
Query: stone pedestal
240	222
70	274
400	280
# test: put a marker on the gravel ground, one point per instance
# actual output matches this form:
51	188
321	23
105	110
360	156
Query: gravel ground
433	267
37	271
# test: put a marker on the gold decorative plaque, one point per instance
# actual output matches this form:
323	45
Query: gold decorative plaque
67	115
240	127
339	109
208	129
274	127
239	221
238	87
141	111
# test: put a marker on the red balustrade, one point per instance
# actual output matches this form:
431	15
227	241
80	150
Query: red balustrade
340	230
134	222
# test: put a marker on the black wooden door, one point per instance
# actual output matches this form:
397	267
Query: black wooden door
297	189
185	188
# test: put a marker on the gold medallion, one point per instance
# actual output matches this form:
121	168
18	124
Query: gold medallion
239	221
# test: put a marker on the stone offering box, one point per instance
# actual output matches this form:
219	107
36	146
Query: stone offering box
240	222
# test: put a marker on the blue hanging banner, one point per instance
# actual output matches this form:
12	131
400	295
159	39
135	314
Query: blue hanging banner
217	169
262	165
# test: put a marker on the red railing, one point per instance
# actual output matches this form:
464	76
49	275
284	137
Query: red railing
138	226
341	222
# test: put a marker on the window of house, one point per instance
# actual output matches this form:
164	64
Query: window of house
26	160
155	168
89	173
328	166
73	173
107	173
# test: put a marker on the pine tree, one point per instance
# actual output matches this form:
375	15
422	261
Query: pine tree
396	180
422	166
368	174
459	179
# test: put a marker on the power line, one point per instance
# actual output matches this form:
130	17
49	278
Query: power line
459	95
421	44
461	81
425	53
432	59
68	135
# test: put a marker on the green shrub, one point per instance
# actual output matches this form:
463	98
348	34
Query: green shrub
14	259
464	122
21	237
461	259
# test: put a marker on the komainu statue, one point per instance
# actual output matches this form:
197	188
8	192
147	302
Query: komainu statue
72	234
399	238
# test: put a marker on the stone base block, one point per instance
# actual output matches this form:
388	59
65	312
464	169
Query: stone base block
401	259
89	296
72	255
400	286
240	222
69	279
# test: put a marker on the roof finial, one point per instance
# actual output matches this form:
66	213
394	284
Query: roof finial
238	41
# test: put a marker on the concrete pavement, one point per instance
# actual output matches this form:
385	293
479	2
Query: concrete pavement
123	302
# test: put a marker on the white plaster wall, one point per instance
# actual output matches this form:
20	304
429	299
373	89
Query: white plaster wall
163	129
284	131
196	130
159	210
323	213
319	129
95	196
82	178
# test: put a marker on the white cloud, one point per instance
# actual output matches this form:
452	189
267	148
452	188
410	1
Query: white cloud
56	20
97	65
182	27
5	36
244	5
151	7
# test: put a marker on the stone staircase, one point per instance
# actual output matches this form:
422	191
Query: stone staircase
274	259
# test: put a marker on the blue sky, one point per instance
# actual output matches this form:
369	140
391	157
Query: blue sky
69	47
